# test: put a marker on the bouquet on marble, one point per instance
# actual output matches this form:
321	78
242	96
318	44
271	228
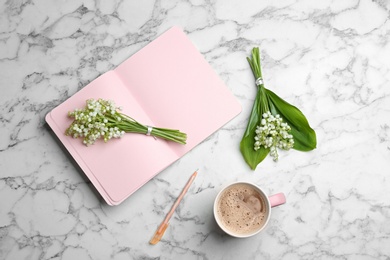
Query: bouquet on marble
273	123
101	119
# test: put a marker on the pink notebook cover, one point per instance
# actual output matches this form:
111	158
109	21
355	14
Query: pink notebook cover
166	84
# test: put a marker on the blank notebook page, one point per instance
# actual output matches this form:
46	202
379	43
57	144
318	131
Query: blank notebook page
178	88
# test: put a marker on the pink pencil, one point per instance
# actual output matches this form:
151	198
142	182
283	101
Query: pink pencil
161	230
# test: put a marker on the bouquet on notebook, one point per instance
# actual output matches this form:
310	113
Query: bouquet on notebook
273	123
101	119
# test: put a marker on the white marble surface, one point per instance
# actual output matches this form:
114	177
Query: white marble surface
329	58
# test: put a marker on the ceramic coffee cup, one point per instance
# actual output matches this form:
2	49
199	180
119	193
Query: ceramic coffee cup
248	219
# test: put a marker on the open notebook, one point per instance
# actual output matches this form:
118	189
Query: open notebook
166	84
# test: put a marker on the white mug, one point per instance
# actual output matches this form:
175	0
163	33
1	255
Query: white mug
270	202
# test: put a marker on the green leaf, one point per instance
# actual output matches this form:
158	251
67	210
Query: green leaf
304	136
252	157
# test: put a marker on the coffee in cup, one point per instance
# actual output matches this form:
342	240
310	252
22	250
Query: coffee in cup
242	209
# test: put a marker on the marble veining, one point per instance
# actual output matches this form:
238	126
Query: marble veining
329	58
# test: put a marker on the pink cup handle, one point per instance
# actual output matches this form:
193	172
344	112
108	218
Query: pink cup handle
277	199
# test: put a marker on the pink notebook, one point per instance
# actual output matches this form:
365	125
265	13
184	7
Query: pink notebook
166	84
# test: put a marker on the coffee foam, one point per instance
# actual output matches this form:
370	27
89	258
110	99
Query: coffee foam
242	209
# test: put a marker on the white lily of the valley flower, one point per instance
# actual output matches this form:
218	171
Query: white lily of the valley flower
102	119
91	123
273	133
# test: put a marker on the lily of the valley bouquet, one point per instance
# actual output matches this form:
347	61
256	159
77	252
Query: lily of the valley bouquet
101	119
273	124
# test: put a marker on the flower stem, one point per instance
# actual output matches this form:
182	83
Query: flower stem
128	125
255	63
